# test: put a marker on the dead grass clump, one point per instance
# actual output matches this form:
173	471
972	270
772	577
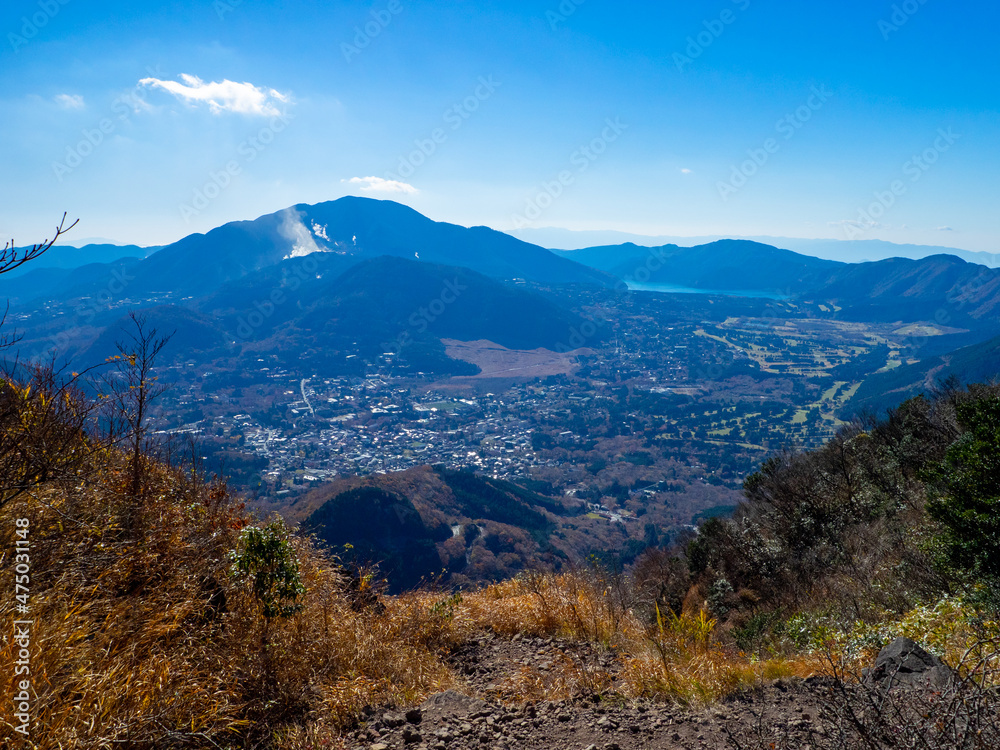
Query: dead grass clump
576	605
125	639
143	637
704	677
678	658
356	657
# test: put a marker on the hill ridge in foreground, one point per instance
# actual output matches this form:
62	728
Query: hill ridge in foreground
816	712
978	362
164	615
459	720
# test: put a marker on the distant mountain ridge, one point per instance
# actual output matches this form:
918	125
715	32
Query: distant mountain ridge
845	251
396	306
353	227
376	265
376	308
66	283
721	265
886	290
68	257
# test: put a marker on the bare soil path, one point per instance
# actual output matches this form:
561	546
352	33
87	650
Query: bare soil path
486	714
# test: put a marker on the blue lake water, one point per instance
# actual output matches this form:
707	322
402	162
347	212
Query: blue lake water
672	289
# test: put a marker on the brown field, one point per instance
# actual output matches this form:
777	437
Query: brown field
497	361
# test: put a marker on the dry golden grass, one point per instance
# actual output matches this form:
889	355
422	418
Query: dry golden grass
133	642
702	676
677	659
142	637
570	605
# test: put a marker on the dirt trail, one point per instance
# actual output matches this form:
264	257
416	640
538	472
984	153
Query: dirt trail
485	713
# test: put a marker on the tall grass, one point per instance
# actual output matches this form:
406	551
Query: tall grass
144	638
678	658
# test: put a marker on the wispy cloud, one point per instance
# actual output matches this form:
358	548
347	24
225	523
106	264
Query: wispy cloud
69	101
945	229
223	96
859	224
378	185
685	171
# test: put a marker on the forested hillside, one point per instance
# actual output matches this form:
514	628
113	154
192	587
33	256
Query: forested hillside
887	516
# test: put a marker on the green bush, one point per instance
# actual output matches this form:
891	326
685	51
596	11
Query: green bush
968	479
265	560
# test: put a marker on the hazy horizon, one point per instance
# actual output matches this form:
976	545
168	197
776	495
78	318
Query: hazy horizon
729	118
562	239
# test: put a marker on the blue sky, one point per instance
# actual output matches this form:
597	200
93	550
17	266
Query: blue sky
846	119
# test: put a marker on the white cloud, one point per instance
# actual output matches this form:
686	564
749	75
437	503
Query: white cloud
378	185
858	224
223	96
685	171
69	101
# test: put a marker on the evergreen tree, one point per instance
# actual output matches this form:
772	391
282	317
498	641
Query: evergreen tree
969	477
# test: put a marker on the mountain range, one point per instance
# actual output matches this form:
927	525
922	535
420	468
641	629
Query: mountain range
357	228
846	251
351	230
369	278
69	257
885	290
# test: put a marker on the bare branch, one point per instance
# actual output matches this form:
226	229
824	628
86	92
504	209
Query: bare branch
11	258
131	388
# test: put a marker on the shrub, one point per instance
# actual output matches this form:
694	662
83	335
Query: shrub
968	508
266	562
